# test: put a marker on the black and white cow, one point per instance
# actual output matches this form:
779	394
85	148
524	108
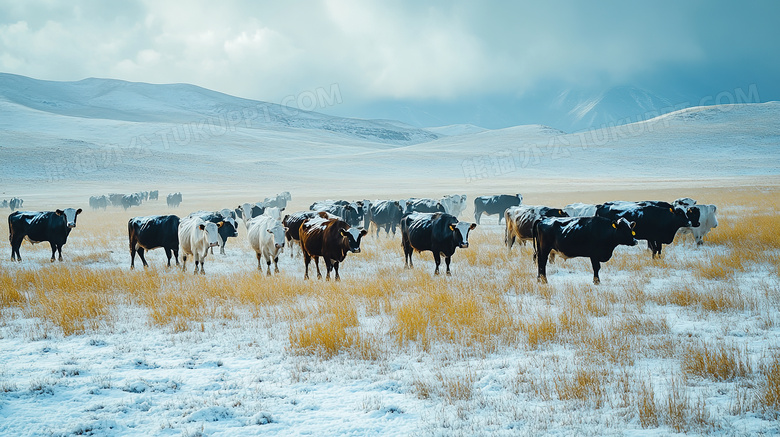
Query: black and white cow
229	228
492	205
571	237
656	221
439	233
707	221
35	227
147	233
423	205
387	215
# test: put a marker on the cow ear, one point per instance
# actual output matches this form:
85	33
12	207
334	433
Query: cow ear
452	227
323	214
219	225
58	212
363	233
78	211
286	229
343	233
473	225
269	231
202	227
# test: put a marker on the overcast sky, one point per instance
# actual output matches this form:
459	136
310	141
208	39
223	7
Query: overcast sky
439	54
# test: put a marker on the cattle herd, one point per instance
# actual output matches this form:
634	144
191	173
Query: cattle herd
331	229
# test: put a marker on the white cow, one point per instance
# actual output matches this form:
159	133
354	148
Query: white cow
273	212
580	210
707	221
266	236
454	204
196	236
684	202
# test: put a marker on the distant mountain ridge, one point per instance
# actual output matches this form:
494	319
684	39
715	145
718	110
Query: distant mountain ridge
182	103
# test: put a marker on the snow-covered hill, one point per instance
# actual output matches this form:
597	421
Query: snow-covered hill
182	103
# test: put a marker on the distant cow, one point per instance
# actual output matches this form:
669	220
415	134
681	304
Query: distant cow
174	199
491	205
229	228
348	211
116	199
330	238
707	221
266	236
154	195
580	210
4	203
656	221
572	237
147	233
99	202
196	236
15	203
247	211
520	221
279	201
35	227
387	215
439	233
684	202
131	200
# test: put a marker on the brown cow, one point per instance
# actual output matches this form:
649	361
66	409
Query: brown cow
328	237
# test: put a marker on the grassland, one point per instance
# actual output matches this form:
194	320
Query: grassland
688	343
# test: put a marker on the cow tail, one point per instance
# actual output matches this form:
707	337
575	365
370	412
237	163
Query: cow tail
130	233
535	235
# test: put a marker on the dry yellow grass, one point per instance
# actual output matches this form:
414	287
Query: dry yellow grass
769	385
719	361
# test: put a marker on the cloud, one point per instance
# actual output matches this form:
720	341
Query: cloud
405	50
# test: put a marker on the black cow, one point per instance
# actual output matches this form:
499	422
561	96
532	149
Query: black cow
438	232
154	195
228	229
656	222
590	237
15	203
423	205
174	199
147	233
116	199
520	221
330	238
492	205
4	203
386	214
51	226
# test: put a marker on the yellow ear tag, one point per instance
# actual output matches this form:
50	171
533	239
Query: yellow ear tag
614	225
633	233
671	210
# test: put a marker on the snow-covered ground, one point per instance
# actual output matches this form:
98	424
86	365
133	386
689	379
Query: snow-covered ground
237	370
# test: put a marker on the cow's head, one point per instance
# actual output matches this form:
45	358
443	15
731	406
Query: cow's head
693	215
70	215
460	232
353	237
624	232
211	231
229	223
278	231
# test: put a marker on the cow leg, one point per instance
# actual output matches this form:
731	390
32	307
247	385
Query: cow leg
132	257
317	264
306	260
184	262
447	260
336	268
53	250
329	267
477	214
541	261
268	268
168	255
407	252
259	261
222	246
176	255
59	251
276	264
15	245
143	258
437	260
596	267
